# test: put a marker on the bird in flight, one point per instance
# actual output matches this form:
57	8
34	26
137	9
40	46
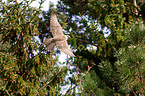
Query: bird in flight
59	39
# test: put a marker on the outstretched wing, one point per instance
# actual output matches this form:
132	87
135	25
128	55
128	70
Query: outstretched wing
56	31
63	46
55	27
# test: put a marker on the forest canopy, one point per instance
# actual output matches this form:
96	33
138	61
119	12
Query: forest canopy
106	36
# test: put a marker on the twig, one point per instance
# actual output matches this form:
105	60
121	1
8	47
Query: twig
70	90
50	80
86	42
128	82
7	92
90	67
141	77
135	6
93	92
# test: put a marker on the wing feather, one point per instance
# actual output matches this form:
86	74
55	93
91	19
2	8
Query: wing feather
50	45
61	42
55	27
63	46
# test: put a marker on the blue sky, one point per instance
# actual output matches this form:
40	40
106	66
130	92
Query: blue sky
62	57
45	4
36	4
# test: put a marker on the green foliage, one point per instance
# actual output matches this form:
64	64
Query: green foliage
131	60
93	85
131	68
26	68
115	67
125	21
135	33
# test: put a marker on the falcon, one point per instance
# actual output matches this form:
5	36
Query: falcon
59	39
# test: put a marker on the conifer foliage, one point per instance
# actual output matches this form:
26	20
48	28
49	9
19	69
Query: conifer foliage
26	68
108	37
116	65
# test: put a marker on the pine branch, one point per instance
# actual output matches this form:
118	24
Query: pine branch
50	80
86	42
93	92
134	1
7	92
93	64
70	90
141	77
128	81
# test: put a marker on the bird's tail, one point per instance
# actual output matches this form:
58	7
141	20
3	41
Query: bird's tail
49	44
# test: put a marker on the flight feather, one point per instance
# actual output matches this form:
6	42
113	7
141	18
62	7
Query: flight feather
59	39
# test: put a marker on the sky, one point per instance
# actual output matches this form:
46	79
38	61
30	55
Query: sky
45	6
36	4
62	57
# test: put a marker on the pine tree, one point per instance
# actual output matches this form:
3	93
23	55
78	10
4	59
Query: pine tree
26	67
105	65
116	66
131	60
